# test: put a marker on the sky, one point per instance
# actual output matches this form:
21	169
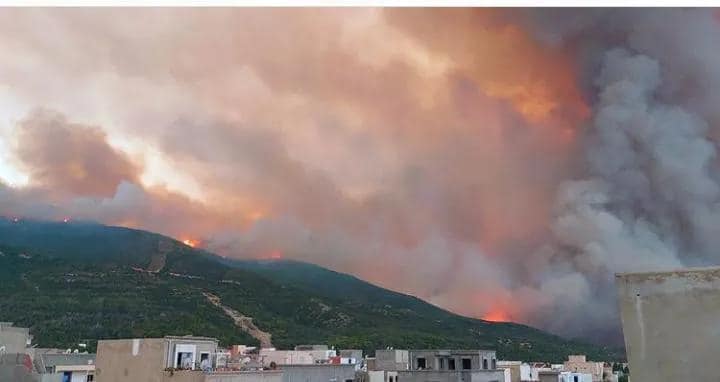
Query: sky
500	163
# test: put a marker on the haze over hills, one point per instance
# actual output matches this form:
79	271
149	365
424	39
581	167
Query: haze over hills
79	282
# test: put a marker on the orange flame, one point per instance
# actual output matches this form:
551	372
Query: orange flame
496	315
192	243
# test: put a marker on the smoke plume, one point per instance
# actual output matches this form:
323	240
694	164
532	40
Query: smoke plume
503	164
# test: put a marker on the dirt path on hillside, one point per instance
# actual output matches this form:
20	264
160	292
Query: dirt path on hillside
243	322
157	261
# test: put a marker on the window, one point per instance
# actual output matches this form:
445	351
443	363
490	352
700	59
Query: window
420	363
485	364
576	379
451	364
90	378
391	378
205	363
494	363
466	363
442	364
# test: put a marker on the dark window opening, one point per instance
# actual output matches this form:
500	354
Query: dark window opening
451	364
466	364
494	363
485	364
576	379
421	363
442	364
391	379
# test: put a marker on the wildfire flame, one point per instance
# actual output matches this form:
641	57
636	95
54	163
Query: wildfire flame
191	243
496	315
273	255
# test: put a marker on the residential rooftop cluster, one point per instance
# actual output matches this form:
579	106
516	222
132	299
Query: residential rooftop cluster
202	359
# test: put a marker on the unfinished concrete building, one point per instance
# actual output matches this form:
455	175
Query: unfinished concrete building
670	322
452	366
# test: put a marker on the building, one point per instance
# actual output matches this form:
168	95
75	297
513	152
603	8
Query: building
580	364
318	373
390	360
150	359
453	360
567	376
66	367
16	354
452	366
512	370
670	323
549	376
244	376
272	356
14	339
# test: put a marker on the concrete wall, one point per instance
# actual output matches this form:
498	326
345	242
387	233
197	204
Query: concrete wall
14	339
17	367
549	376
131	360
479	359
513	367
318	373
671	323
246	376
391	359
451	376
580	364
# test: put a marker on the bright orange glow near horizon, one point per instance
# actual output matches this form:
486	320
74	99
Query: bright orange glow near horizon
497	315
192	243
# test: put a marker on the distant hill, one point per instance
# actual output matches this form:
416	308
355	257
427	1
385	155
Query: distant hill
78	282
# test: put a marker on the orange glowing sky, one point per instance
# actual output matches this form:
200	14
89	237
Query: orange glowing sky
429	141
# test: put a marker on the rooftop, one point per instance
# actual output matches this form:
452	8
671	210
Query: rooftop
67	359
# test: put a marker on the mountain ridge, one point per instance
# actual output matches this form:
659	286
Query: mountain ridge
296	302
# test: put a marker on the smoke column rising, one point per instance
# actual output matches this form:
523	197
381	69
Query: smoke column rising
499	163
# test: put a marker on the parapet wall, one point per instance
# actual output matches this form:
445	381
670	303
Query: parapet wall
671	323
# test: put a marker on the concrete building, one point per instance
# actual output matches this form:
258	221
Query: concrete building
149	359
17	367
453	360
670	323
549	376
14	339
452	366
245	376
567	376
512	370
391	359
272	356
580	364
16	354
66	367
318	373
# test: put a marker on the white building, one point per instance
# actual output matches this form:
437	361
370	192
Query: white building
567	376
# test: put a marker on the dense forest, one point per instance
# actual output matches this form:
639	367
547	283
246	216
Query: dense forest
78	282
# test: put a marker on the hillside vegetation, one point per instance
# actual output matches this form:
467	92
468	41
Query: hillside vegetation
79	282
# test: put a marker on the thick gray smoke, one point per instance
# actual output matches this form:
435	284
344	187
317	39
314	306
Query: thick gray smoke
499	163
650	197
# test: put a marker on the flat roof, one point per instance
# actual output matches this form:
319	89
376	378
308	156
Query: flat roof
70	359
678	271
